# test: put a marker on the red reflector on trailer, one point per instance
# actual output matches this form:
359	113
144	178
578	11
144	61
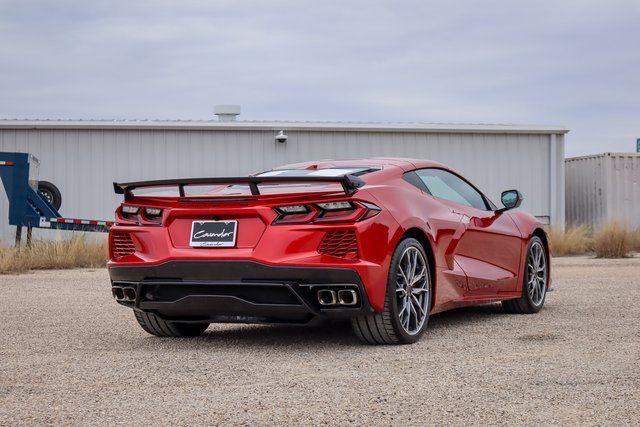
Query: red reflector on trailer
3	163
82	221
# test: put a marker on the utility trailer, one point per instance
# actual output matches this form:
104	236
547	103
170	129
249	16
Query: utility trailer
32	207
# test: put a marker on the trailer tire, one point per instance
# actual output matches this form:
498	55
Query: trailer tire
51	193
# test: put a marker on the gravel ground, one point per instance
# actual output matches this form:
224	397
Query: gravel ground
71	355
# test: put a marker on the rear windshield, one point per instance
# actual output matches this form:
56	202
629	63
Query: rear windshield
357	171
229	190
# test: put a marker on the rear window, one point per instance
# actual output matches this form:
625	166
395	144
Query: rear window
160	191
356	171
230	190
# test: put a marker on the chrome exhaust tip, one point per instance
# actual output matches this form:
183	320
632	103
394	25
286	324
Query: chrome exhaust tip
118	293
327	297
129	294
347	297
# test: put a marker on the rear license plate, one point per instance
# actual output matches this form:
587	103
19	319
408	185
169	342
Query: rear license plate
213	233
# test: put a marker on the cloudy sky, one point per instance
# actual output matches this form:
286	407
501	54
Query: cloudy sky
574	63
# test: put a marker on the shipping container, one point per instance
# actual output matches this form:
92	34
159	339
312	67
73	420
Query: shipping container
603	187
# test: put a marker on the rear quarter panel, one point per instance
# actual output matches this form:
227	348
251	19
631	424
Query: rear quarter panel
414	209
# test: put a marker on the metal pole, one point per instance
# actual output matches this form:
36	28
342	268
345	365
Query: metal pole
29	230
18	235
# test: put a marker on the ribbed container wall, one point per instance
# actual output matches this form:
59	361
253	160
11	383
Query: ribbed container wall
83	163
604	187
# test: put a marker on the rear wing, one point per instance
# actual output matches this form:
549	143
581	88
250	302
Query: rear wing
350	183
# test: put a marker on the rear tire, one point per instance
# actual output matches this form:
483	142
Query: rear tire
386	327
161	328
534	283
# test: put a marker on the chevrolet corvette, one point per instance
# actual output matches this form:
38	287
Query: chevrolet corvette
383	243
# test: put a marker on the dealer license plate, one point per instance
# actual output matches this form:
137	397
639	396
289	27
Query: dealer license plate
213	234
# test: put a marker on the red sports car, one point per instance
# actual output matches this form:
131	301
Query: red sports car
385	242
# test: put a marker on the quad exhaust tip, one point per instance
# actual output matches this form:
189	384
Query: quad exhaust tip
123	294
329	297
129	294
117	293
347	297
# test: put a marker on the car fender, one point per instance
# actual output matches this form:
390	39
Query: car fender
528	225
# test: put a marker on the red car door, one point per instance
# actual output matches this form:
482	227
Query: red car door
489	246
489	252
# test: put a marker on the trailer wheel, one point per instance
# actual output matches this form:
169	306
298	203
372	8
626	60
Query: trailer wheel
51	193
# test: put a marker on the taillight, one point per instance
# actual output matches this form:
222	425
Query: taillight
130	210
152	212
339	211
372	210
153	215
129	213
294	214
293	210
138	215
335	211
335	206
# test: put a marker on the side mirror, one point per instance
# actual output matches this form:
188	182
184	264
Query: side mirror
511	199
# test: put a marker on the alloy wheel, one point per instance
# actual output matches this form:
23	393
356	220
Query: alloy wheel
536	273
412	290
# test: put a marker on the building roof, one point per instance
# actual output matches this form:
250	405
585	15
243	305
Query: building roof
280	125
601	155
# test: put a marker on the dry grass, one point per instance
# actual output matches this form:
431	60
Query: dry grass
610	240
636	240
59	254
574	240
614	240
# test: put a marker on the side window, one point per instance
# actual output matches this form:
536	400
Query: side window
445	185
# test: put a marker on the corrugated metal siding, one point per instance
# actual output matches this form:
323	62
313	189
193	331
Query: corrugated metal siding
83	163
603	188
623	188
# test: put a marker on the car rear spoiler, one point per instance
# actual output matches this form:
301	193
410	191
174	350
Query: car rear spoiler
350	183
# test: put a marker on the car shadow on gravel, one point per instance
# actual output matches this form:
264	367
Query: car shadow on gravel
333	333
265	335
460	316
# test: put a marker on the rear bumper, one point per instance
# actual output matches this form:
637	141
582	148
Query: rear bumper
236	291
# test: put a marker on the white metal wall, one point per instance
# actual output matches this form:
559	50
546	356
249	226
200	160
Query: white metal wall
604	187
84	163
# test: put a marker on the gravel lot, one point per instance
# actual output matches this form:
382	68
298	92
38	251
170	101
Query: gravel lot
71	355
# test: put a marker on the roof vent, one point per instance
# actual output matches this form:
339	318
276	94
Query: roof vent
226	113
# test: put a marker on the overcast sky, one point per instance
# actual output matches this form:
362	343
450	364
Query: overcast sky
574	63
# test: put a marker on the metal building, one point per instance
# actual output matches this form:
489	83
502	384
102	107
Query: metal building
83	158
603	187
